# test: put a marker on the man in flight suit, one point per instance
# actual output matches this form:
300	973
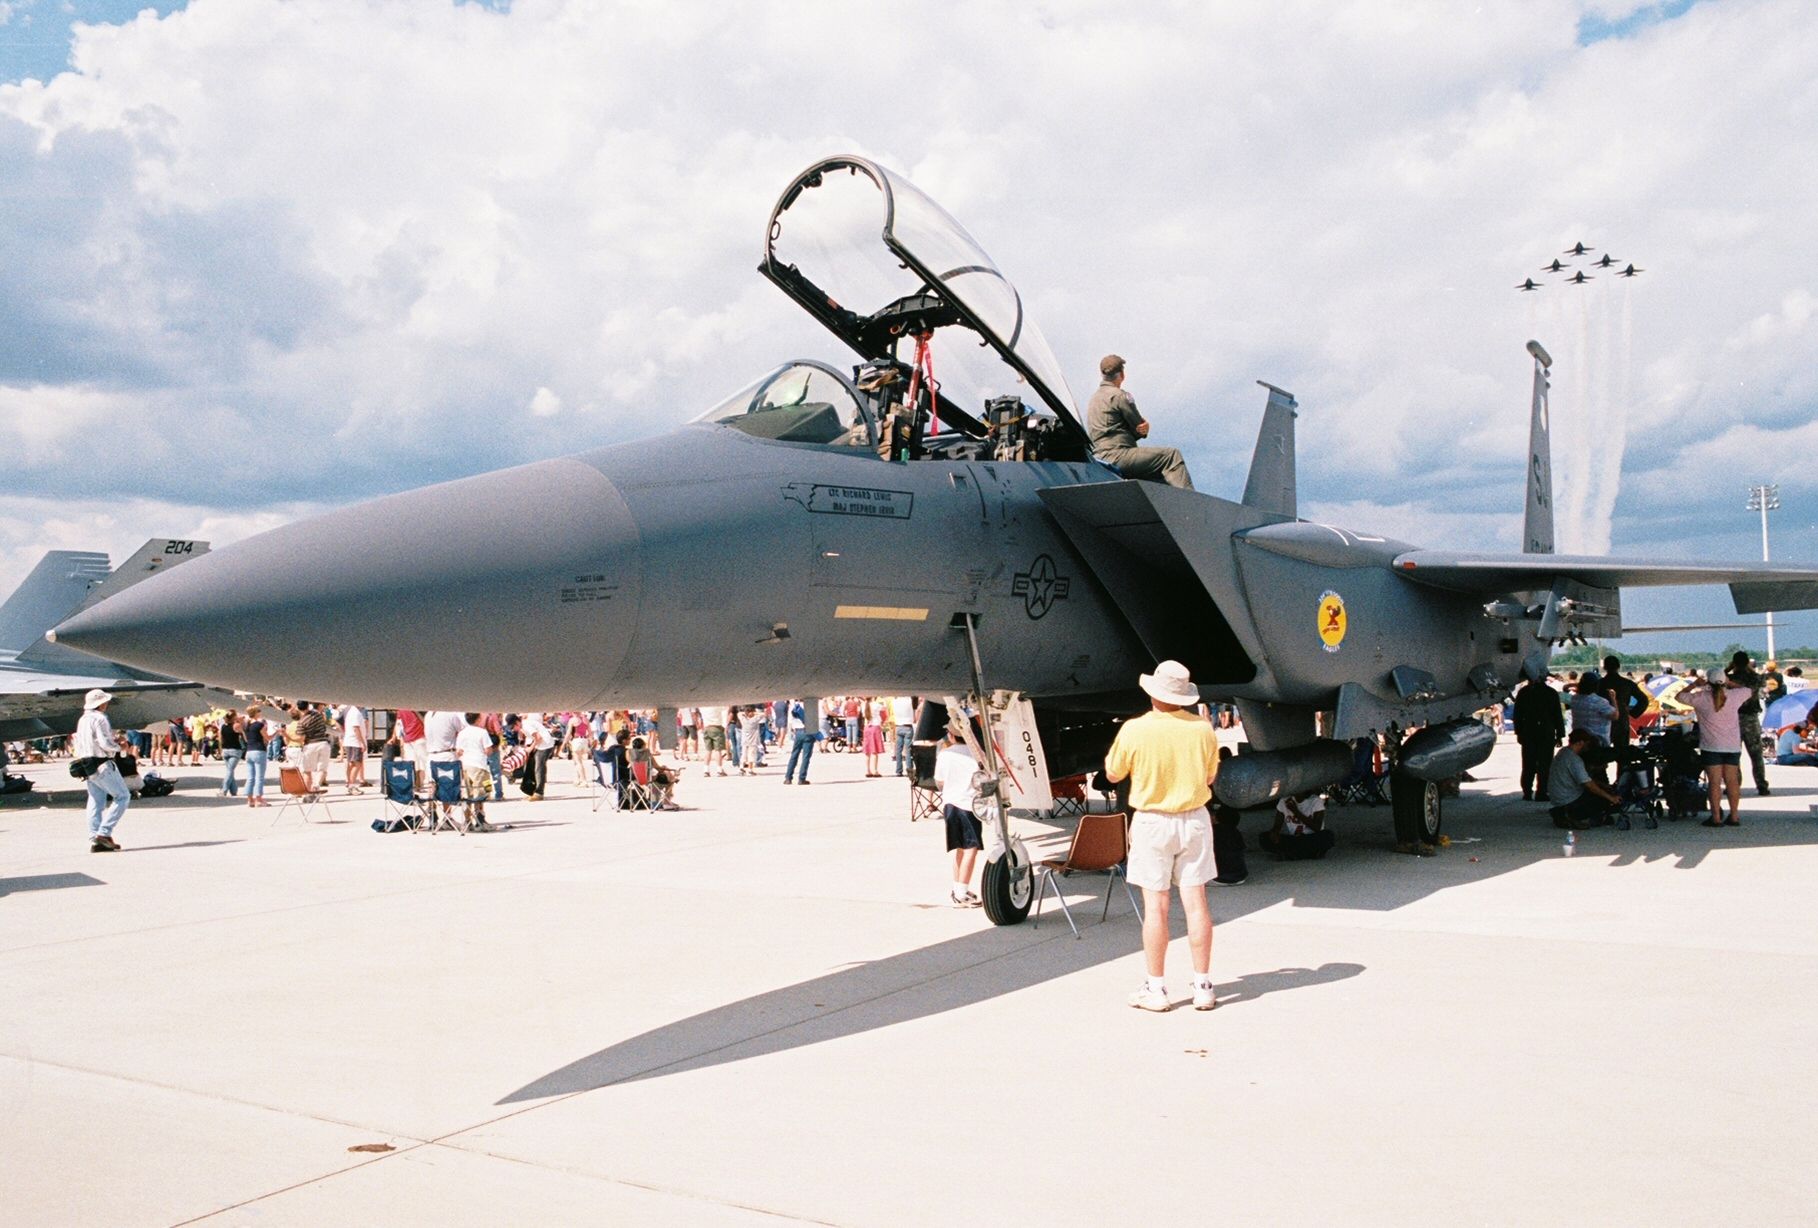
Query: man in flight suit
1114	425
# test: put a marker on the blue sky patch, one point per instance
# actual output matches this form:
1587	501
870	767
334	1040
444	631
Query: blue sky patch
1595	29
36	35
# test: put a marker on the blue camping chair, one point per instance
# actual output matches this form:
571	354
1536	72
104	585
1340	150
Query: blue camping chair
606	788
445	794
398	781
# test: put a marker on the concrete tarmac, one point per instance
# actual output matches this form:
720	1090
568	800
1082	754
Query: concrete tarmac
760	1009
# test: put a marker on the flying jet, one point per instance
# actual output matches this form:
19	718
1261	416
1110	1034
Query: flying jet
42	684
1580	277
1631	271
1579	249
1555	267
1528	283
928	519
1604	261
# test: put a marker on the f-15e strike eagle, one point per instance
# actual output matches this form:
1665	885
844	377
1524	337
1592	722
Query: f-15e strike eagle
929	520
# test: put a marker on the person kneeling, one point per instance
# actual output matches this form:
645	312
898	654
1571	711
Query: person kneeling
1579	800
1300	831
1797	745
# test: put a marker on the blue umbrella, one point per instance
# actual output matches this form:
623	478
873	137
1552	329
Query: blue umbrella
1791	710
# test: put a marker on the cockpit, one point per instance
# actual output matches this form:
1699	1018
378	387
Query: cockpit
951	366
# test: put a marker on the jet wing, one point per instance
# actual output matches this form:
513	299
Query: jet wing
1755	589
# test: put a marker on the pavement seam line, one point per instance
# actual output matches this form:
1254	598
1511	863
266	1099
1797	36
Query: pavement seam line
651	1187
206	1095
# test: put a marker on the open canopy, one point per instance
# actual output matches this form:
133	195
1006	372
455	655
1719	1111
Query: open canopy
868	254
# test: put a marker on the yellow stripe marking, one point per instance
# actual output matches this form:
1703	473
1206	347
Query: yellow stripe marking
894	613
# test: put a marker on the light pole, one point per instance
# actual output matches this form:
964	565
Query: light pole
1764	499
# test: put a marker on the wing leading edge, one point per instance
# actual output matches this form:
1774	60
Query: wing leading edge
1756	589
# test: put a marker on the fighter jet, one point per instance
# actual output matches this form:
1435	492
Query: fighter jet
1631	271
1579	249
1555	267
1604	261
1580	277
1528	283
42	683
929	520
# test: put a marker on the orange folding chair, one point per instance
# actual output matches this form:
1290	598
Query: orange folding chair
1101	842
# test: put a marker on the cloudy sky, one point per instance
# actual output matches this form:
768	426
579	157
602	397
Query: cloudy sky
263	257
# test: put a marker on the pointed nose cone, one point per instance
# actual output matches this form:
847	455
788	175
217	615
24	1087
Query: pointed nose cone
515	590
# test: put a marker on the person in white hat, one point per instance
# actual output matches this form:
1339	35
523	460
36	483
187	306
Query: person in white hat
107	792
1170	757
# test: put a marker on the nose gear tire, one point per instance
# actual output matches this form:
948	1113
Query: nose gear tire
1008	889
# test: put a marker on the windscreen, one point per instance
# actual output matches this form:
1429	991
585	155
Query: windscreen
799	402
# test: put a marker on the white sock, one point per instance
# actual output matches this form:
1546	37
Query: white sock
1203	980
959	890
1155	984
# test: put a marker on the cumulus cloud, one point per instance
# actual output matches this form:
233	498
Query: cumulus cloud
310	251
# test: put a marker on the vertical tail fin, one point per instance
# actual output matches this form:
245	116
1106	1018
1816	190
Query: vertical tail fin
1271	486
158	554
53	589
1537	526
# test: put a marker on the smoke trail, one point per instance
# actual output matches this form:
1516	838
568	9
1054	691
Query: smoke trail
1615	417
1572	461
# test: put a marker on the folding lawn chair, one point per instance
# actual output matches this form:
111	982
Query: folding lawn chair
444	794
605	783
640	793
1100	844
924	793
296	793
398	787
1069	794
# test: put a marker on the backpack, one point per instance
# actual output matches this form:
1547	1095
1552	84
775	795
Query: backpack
157	786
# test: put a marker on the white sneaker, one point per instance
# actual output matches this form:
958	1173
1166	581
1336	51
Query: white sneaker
1205	997
1146	999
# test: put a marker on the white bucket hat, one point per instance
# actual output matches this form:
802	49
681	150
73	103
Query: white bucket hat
94	699
1172	684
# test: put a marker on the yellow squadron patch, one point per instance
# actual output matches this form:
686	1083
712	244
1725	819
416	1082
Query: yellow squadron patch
1332	621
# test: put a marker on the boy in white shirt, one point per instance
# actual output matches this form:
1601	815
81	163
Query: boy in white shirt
954	768
474	746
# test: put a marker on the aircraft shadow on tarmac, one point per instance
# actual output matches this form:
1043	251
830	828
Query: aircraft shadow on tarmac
46	882
1362	874
187	844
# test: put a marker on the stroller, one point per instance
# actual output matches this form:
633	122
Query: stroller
1682	774
1639	788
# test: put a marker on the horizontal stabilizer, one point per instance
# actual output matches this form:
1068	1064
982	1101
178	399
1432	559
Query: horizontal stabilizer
1756	589
1763	596
53	589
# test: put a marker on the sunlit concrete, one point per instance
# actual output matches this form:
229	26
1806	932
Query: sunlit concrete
761	1008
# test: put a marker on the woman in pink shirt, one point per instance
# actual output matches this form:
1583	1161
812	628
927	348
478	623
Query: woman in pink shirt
1718	703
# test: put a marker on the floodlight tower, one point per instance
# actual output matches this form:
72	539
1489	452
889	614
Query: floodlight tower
1765	498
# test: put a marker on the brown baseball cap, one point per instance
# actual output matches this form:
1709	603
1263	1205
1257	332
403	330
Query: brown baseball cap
1111	364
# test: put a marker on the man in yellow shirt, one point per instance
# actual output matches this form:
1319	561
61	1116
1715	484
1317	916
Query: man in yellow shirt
1170	756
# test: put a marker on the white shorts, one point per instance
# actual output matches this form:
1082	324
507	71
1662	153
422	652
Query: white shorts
1171	849
315	758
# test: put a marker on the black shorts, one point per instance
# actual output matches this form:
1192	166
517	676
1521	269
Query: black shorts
963	829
